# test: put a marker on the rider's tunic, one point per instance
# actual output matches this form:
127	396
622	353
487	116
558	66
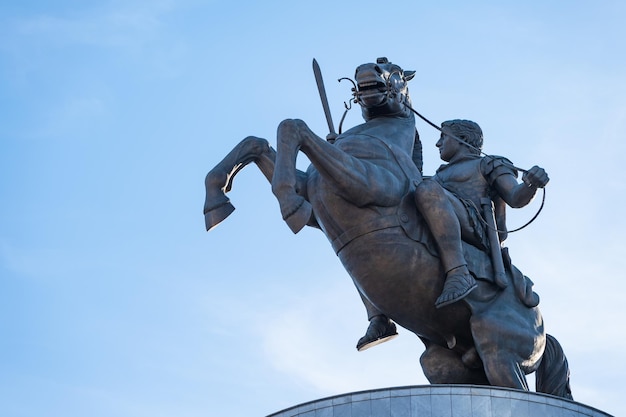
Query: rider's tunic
471	179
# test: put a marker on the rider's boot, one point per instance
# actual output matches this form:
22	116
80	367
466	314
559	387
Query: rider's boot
380	330
459	283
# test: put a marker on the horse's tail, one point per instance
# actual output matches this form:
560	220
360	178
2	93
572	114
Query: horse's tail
552	376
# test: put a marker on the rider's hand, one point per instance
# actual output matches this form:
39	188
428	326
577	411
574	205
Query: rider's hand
536	177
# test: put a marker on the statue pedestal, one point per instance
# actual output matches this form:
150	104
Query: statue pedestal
442	401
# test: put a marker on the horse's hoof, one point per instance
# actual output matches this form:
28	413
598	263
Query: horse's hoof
299	217
216	214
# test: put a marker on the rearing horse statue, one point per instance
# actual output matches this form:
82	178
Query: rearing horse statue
359	191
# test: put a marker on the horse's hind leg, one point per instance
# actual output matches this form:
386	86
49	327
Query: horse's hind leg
445	366
219	180
504	372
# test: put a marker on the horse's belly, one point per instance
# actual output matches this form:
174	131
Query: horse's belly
402	280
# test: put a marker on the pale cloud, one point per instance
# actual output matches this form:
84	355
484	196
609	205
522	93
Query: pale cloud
313	341
134	34
129	25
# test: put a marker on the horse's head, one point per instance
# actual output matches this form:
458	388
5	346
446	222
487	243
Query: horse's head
381	89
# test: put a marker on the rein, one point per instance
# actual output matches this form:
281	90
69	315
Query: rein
488	226
543	196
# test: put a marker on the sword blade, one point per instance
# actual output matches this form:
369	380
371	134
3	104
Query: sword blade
320	87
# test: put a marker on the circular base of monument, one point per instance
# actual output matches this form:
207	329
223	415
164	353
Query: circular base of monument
442	401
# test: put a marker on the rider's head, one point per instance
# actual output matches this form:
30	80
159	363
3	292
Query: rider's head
467	131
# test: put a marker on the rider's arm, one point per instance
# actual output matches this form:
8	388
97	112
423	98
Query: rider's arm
520	194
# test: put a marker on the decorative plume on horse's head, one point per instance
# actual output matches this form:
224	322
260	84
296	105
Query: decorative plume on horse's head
381	89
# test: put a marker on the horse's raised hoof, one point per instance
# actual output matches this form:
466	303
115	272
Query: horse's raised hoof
216	214
297	218
380	330
456	287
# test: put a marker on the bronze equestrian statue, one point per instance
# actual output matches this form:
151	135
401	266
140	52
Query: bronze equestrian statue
415	248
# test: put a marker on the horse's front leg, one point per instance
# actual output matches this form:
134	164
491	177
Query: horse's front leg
220	179
373	179
293	136
295	209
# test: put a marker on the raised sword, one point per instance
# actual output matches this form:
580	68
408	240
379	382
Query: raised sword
320	87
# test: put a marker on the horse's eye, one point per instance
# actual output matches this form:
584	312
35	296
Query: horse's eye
396	82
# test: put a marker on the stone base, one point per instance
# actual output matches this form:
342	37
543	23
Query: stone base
442	401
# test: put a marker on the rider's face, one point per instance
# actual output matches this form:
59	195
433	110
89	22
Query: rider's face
448	147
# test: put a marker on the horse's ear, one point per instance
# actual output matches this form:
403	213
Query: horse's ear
408	75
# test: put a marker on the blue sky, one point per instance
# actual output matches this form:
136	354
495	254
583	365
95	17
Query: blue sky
114	301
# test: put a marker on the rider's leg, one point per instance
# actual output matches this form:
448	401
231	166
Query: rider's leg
440	215
380	329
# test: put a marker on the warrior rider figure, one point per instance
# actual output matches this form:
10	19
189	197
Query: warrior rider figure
449	202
